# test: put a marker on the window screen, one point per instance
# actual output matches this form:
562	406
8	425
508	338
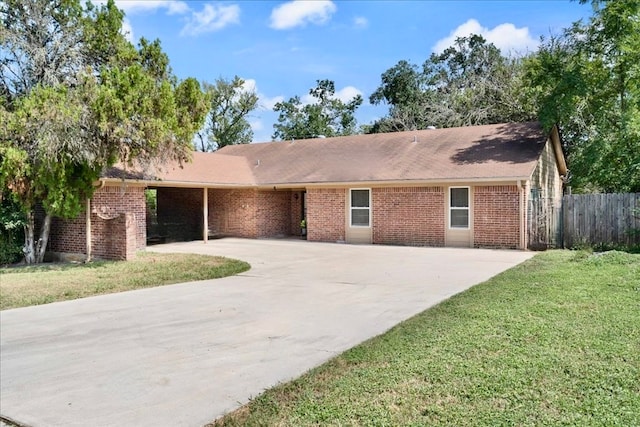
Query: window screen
359	198
459	197
459	207
459	218
360	209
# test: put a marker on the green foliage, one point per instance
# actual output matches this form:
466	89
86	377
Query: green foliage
470	83
44	157
78	97
10	248
327	116
227	124
587	80
12	221
151	199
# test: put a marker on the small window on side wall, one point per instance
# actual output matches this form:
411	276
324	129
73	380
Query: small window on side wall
360	208
459	207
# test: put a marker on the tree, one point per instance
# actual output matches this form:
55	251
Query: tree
227	124
76	97
404	89
587	80
327	116
470	83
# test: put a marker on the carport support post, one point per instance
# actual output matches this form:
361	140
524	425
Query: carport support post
88	228
205	215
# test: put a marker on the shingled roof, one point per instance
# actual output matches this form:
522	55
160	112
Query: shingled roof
490	152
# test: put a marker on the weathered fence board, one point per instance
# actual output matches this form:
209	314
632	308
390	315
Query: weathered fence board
545	224
601	219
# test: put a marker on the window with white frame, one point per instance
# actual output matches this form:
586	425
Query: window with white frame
459	207
360	207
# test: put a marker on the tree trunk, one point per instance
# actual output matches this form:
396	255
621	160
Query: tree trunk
41	246
34	250
29	232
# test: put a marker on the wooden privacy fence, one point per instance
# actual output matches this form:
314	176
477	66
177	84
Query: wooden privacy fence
545	224
584	220
601	219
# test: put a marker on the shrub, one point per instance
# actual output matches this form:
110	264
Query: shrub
12	221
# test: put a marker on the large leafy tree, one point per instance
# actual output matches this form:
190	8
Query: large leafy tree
326	116
227	124
470	83
76	97
587	80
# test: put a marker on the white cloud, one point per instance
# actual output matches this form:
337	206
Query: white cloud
249	85
211	18
177	8
360	22
132	7
299	12
346	94
506	37
256	125
141	6
308	99
127	30
265	103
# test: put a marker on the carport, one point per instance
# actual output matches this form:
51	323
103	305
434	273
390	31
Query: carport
188	213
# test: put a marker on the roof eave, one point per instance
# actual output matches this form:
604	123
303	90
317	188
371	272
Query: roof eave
175	183
317	184
556	140
405	182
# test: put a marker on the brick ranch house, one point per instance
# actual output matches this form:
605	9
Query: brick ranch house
466	186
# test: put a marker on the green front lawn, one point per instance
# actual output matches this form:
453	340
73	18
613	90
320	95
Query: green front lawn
554	341
41	284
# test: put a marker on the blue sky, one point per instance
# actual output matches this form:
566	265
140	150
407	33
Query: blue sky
282	48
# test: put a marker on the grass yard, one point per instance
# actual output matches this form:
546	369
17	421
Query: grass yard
554	341
42	284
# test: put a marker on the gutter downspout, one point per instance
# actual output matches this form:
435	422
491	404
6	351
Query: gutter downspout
88	229
523	244
205	215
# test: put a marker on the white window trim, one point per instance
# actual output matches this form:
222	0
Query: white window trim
468	209
351	209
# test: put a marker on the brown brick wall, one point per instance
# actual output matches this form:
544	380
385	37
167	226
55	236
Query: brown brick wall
233	213
124	200
250	213
117	237
409	216
326	214
273	213
496	221
69	235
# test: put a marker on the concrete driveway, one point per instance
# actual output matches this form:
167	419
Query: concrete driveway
185	354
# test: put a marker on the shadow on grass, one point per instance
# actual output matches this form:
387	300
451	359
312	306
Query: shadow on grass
53	266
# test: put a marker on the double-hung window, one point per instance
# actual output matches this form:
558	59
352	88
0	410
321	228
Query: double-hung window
360	207
459	207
